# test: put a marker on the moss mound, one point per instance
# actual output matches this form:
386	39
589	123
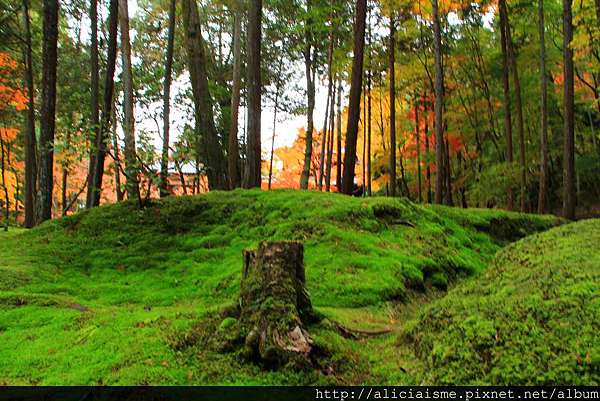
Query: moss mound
116	295
532	317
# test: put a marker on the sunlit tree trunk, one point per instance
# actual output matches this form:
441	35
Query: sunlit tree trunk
330	140
131	170
569	197
30	138
94	97
253	153
164	160
338	176
418	144
113	127
544	178
324	135
392	55
275	108
95	190
439	104
208	144
354	101
233	153
48	109
310	97
4	163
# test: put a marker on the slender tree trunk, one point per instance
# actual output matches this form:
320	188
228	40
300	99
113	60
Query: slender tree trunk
439	105
310	95
418	144
364	141
326	118
48	110
427	154
544	177
164	160
354	101
94	98
131	170
65	179
597	12
208	144
30	139
369	110
276	106
569	199
506	88
233	152
254	94
448	174
113	126
95	190
338	176
392	51
381	123
4	184
330	140
519	108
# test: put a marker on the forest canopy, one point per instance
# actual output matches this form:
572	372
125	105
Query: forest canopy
469	103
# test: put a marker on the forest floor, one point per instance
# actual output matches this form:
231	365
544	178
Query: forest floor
117	295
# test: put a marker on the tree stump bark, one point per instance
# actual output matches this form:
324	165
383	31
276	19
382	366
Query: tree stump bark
275	305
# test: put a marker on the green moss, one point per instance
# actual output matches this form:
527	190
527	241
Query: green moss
533	317
147	276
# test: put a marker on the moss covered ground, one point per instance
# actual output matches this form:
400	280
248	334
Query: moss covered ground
116	295
533	316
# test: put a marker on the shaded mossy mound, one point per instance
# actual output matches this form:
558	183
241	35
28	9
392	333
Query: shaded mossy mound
532	317
115	295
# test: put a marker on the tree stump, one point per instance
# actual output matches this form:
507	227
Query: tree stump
275	305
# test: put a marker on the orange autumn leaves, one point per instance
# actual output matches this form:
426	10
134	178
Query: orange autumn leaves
12	99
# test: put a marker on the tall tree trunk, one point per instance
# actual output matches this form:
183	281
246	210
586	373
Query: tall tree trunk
519	108
392	51
427	152
369	112
364	141
94	98
439	105
338	176
330	140
544	177
354	101
506	88
208	144
418	144
275	107
48	109
569	197
254	94
4	163
310	95
164	160
328	110
95	190
233	152
131	170
30	139
448	174
65	179
113	126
